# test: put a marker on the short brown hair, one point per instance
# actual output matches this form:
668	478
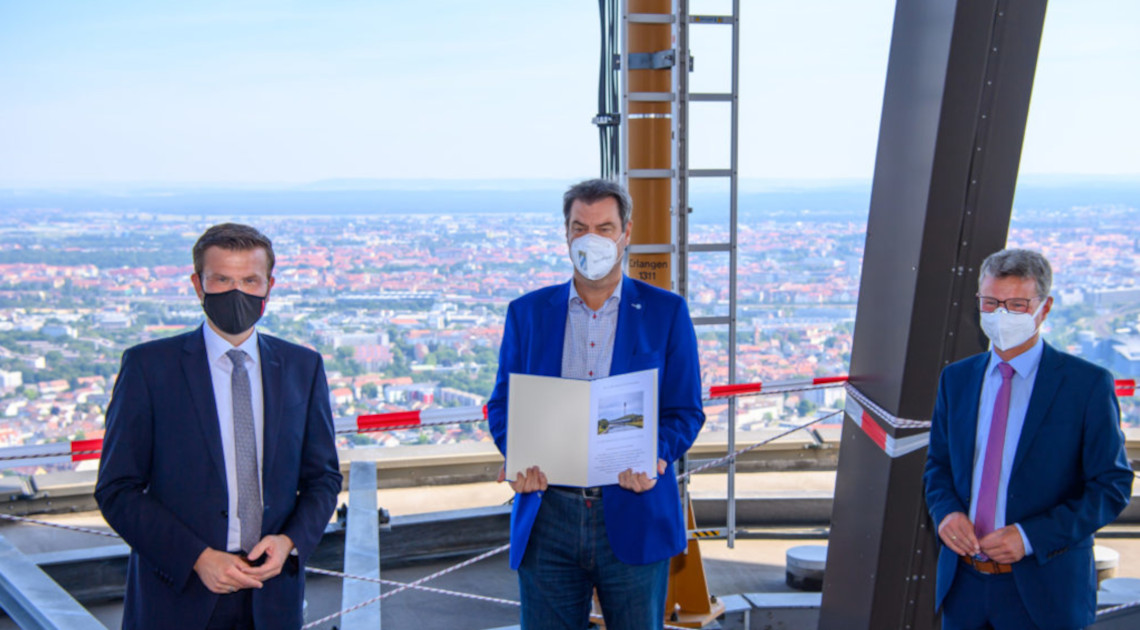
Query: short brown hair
594	190
233	237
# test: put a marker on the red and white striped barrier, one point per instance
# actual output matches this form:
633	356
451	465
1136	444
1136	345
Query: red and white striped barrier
743	389
1125	387
55	453
858	408
411	419
80	450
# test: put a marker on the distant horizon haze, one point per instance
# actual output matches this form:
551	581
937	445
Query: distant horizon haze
746	184
846	198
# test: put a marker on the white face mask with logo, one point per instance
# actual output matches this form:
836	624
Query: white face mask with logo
594	256
1008	330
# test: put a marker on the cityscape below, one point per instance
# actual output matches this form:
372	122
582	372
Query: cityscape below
407	307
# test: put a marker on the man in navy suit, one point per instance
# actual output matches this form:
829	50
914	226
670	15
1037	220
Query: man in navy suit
1026	462
565	542
218	466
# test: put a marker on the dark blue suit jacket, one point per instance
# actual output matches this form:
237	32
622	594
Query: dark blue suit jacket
1070	477
162	481
653	331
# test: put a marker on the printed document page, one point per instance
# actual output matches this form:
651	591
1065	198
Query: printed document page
582	433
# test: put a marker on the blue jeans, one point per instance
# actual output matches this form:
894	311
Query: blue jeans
568	556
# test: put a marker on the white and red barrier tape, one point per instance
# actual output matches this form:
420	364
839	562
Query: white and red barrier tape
866	414
55	453
411	419
80	450
745	389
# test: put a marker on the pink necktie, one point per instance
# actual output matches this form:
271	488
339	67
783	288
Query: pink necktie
991	469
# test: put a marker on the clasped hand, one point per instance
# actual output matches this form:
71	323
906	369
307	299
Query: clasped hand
1001	545
224	572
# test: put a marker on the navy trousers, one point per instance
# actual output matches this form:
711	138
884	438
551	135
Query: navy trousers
979	601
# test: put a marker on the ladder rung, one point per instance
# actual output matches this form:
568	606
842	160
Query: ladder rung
649	248
726	97
650	18
712	321
710	247
650	173
712	19
651	97
710	172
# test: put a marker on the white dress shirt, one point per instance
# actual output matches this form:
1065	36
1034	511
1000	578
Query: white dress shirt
221	370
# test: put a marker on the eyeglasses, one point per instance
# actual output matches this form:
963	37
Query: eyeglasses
1013	305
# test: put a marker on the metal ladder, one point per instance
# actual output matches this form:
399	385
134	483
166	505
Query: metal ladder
684	247
681	249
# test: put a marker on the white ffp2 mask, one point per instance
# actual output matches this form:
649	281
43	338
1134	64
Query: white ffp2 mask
594	256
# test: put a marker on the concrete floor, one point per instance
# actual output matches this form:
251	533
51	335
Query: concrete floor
752	566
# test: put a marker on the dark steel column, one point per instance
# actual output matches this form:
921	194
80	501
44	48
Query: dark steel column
957	93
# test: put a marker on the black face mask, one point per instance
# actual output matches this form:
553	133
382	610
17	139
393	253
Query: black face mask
233	311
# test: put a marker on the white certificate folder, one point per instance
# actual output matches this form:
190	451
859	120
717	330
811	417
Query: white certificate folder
582	433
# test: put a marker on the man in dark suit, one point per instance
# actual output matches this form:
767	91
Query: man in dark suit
1026	462
619	538
218	466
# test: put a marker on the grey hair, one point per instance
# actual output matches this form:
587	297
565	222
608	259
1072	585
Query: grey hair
593	191
1019	263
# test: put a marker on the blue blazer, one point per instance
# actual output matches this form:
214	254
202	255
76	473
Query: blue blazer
653	331
162	481
1070	477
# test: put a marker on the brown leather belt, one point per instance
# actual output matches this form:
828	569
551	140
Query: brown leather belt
987	566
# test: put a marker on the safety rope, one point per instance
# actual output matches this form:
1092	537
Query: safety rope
427	589
1120	607
893	420
732	456
70	528
461	565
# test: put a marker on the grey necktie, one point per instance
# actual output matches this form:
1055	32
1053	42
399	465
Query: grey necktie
245	454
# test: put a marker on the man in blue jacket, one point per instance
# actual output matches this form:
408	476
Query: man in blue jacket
219	467
1026	462
565	542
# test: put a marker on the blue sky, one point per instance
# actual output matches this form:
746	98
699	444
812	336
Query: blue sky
293	92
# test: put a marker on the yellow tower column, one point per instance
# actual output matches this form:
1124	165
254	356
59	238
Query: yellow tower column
649	144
